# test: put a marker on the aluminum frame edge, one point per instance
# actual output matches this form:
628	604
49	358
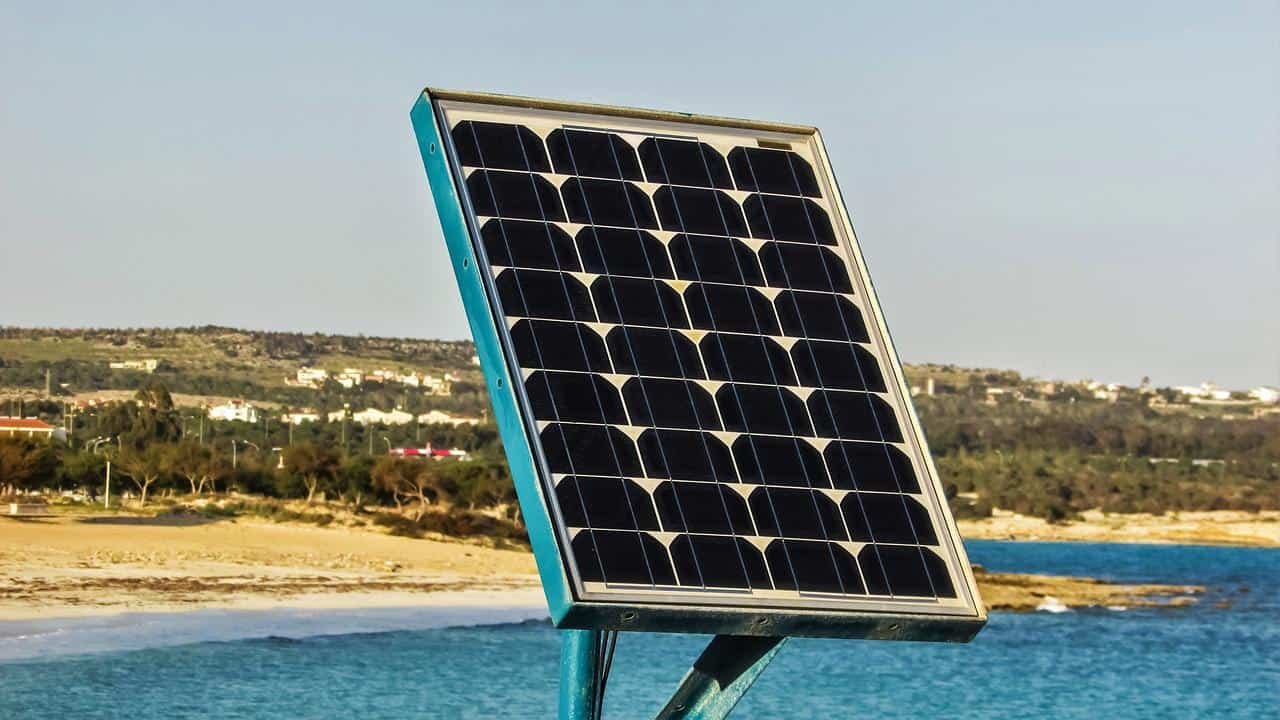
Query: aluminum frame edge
771	622
444	193
615	111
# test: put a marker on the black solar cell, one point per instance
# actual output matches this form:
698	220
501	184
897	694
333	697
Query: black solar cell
790	219
711	258
525	244
684	162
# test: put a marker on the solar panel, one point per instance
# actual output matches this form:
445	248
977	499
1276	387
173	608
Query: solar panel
707	423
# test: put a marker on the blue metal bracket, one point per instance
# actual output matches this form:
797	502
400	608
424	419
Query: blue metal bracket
721	675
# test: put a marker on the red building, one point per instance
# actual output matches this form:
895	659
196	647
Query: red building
25	427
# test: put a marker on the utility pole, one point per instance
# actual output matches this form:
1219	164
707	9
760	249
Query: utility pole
234	460
346	412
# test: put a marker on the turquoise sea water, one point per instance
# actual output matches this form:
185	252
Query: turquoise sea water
1199	662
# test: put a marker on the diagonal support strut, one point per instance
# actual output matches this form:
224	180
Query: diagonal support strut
720	676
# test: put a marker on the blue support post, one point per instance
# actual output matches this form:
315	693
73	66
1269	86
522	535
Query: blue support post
720	677
579	674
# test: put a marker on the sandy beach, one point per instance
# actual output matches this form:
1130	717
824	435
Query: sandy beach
1221	527
69	566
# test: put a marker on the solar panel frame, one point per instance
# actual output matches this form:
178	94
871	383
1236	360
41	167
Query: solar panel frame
571	602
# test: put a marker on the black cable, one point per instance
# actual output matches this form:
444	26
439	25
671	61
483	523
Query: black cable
604	663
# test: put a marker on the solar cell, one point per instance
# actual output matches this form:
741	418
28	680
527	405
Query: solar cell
713	410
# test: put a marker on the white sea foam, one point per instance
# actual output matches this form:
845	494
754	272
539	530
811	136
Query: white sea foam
1052	604
41	638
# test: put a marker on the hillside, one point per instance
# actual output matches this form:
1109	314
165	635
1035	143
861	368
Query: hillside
213	363
1049	449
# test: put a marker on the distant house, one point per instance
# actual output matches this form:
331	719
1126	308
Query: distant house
439	386
297	418
374	416
238	410
1265	394
308	377
349	377
996	395
25	427
1204	391
149	365
437	417
338	415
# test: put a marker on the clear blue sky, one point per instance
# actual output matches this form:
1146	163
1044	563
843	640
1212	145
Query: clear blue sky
1091	190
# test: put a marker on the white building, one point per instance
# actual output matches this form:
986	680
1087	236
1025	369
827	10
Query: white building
234	410
437	417
438	386
148	365
338	415
308	377
297	418
1109	392
349	377
1205	390
1265	394
374	416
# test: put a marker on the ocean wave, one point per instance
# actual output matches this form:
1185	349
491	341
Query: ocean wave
44	638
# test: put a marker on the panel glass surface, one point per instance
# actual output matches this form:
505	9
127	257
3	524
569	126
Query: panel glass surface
707	385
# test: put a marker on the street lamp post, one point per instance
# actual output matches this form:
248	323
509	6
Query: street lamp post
106	498
234	457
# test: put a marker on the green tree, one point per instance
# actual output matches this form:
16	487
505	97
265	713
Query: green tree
407	481
144	467
83	468
192	461
26	464
313	464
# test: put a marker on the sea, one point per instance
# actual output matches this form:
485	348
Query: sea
1219	658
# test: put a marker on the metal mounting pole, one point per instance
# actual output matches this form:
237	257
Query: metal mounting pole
720	676
579	674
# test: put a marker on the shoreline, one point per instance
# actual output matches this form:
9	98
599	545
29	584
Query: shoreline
107	566
40	637
1219	528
